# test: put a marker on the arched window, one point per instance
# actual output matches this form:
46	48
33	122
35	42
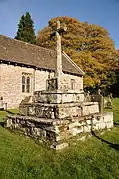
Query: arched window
28	84
23	83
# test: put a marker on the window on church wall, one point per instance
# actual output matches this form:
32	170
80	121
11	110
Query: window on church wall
72	84
26	83
23	84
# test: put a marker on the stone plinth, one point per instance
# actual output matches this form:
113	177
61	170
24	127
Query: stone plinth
59	111
56	115
58	96
56	131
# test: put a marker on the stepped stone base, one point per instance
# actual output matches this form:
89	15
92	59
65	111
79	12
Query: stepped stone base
58	96
58	130
59	111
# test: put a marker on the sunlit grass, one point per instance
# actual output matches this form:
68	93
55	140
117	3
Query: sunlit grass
22	158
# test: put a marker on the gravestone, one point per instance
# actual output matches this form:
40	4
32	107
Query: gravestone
1	103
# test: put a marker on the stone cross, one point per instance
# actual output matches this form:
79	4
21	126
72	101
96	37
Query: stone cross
59	30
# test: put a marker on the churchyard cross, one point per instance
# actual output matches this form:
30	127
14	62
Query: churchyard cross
60	29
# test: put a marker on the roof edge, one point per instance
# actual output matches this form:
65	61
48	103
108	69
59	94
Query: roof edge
74	64
3	61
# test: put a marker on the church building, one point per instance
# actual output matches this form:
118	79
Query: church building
25	68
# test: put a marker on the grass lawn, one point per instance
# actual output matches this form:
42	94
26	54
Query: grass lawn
22	158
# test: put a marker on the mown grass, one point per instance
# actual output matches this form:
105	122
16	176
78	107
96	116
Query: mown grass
22	158
7	112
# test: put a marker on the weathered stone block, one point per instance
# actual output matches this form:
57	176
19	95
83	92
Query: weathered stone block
109	125
96	127
58	129
52	84
82	138
88	122
94	121
87	128
54	129
16	126
77	130
90	108
8	123
30	124
108	117
58	138
74	124
83	122
101	125
59	146
37	132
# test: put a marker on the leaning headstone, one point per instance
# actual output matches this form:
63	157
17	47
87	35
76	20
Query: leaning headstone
101	103
99	91
108	102
1	103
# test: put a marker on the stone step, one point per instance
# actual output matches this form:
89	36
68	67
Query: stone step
38	120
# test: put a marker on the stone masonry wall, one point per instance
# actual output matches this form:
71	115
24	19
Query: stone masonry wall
66	82
11	83
59	130
40	79
59	111
11	80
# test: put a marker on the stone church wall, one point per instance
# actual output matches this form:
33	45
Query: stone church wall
40	79
66	80
11	83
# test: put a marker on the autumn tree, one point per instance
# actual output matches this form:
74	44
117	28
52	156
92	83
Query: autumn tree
90	47
115	86
117	52
26	29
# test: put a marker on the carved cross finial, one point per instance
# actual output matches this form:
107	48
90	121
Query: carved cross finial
61	28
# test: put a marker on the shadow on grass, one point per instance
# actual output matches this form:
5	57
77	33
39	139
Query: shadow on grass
2	124
5	114
9	112
116	123
112	145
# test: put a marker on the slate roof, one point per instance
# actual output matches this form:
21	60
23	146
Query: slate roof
16	51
